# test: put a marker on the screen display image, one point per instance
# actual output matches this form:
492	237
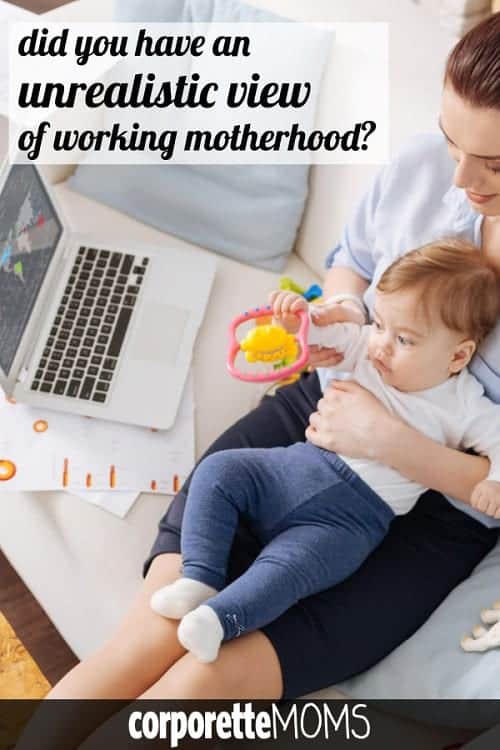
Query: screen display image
29	233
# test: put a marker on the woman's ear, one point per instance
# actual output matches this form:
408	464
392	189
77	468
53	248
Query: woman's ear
464	351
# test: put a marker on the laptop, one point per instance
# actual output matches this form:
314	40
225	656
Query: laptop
90	326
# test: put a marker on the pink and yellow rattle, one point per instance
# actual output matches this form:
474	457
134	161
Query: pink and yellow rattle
288	352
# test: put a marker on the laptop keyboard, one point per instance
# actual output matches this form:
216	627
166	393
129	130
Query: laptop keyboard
80	356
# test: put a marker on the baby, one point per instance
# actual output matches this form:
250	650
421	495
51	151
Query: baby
319	514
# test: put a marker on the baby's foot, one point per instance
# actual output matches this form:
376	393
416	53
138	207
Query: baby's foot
483	639
180	597
476	643
201	633
490	616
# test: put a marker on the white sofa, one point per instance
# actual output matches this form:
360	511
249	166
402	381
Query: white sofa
84	564
458	15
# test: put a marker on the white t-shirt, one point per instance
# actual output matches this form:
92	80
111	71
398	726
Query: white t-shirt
455	413
397	213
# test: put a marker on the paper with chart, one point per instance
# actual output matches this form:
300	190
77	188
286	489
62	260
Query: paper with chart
115	502
47	450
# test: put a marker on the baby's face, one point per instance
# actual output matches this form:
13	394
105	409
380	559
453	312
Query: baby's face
409	352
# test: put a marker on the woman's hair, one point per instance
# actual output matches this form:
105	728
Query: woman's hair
454	281
473	67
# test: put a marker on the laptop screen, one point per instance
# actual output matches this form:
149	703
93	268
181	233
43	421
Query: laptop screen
29	233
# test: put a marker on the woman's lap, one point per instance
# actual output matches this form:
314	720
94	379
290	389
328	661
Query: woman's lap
350	627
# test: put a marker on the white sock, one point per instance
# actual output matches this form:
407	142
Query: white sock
201	633
180	597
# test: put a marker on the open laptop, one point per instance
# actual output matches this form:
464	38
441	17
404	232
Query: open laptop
88	326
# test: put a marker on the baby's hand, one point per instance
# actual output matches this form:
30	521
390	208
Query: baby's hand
486	497
285	307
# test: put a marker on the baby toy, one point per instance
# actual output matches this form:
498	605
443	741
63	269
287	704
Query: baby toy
313	294
484	639
268	343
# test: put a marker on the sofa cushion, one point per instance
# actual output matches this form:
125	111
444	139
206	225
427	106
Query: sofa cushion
432	665
172	11
247	212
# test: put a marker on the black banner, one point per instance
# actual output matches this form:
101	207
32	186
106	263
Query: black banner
119	725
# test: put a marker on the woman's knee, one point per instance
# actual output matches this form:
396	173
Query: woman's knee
143	634
247	668
140	660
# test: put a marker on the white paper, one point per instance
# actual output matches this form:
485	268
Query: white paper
54	451
117	503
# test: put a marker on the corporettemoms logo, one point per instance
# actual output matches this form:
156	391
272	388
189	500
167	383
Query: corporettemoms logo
299	721
321	720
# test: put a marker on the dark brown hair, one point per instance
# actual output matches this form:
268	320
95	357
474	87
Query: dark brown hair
473	67
454	282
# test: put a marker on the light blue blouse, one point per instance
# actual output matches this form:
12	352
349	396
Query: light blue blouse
412	201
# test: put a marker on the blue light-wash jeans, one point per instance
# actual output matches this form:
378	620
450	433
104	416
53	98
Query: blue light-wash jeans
317	519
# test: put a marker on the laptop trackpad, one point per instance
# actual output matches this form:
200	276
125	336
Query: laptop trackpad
160	333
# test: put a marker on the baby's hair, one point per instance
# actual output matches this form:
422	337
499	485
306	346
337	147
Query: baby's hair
454	280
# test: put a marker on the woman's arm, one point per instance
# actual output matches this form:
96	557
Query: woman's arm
352	265
339	280
417	457
352	421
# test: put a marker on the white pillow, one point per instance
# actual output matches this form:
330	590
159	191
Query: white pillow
250	213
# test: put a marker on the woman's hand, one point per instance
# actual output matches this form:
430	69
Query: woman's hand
349	420
352	421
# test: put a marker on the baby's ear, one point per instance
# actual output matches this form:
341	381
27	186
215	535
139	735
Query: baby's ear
464	351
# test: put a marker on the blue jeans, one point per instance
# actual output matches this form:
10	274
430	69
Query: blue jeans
317	519
426	553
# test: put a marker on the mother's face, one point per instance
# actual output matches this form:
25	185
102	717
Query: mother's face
473	136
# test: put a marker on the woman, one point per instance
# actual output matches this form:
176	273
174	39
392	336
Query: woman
421	196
